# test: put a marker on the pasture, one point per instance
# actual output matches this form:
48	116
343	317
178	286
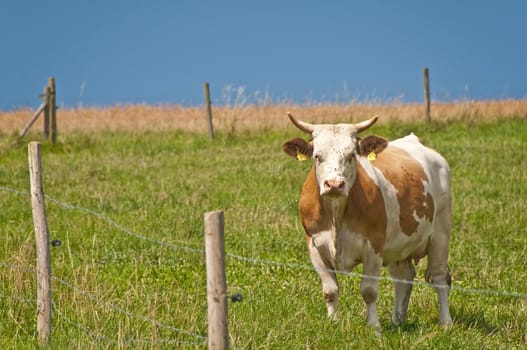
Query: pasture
128	209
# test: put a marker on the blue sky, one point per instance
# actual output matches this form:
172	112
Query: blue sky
108	52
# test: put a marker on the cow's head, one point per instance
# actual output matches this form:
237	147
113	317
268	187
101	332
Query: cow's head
334	148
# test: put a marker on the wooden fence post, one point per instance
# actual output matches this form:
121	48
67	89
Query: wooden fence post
32	120
52	105
209	110
427	94
216	280
46	94
42	245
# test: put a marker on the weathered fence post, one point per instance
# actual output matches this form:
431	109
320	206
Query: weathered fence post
46	95
216	280
42	245
209	110
427	94
52	105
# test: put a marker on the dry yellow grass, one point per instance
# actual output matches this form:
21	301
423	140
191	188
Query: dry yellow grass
256	117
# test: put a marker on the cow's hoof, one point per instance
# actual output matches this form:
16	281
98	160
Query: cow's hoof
376	327
398	319
377	330
334	317
446	323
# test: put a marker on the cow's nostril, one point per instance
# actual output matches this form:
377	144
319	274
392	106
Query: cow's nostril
333	184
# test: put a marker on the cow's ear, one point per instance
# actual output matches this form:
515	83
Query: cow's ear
298	148
372	144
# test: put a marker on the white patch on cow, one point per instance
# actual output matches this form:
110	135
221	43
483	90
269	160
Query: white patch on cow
324	242
341	247
353	247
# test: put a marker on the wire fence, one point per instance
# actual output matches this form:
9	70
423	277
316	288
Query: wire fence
199	338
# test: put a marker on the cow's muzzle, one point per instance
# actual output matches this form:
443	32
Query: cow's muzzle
334	187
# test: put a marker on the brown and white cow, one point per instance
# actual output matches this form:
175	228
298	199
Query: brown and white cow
378	203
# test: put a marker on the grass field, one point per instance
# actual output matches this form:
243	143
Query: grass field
128	208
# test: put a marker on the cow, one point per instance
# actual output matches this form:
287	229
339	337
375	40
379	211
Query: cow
375	202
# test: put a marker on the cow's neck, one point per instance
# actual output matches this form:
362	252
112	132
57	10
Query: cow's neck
336	208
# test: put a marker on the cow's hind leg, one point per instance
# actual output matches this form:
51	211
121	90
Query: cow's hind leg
437	271
402	273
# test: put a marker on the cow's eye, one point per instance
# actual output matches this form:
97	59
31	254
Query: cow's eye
318	158
350	157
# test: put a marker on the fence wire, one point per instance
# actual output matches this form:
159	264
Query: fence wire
257	261
106	219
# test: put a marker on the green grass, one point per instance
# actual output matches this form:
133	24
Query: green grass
123	291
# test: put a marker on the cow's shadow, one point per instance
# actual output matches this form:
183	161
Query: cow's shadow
470	319
461	318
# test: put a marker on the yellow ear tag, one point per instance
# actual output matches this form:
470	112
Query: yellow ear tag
372	156
301	157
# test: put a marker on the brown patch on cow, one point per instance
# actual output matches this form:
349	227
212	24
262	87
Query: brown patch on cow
310	206
366	210
407	175
373	143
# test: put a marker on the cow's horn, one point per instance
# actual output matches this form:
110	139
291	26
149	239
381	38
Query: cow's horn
366	124
305	127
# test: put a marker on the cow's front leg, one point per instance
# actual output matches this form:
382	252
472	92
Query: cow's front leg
328	278
369	287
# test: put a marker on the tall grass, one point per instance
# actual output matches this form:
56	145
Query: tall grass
130	270
237	115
